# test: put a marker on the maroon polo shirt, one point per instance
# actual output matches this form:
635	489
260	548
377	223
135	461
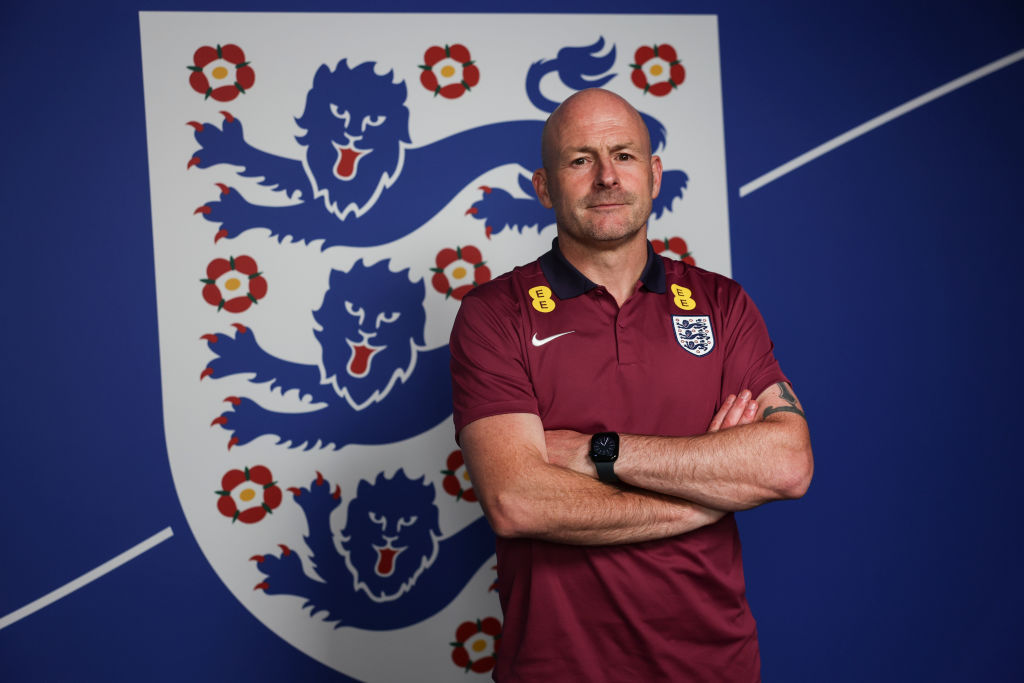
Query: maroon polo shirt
545	340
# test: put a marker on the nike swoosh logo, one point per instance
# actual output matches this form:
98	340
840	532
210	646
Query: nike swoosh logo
541	342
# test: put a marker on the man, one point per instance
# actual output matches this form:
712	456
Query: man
614	408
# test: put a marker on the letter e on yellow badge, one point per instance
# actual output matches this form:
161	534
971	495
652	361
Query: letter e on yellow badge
542	300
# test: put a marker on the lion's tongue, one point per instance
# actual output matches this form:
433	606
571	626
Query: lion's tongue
347	162
386	564
360	360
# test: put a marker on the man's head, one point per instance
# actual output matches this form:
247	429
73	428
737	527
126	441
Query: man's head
599	174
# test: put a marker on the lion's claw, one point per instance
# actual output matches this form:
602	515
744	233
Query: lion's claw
220	420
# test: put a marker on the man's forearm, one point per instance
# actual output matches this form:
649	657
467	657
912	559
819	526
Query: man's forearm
735	469
567	507
523	495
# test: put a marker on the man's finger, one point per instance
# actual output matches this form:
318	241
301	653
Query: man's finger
716	421
737	410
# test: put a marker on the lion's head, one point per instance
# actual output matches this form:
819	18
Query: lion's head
356	125
391	535
371	326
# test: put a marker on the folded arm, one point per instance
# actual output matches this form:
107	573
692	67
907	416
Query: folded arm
725	469
524	495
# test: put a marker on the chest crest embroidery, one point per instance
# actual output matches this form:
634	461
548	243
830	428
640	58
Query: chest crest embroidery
694	333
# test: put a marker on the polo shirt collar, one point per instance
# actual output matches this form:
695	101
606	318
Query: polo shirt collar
567	282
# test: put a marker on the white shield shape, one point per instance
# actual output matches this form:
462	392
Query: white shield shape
325	190
694	333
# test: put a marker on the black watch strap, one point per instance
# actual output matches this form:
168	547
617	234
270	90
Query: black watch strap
606	472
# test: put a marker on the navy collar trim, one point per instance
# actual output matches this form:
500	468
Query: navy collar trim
567	282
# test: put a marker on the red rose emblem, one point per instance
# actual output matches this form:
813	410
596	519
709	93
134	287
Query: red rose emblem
233	284
657	69
458	271
476	638
454	477
248	495
221	73
674	247
448	71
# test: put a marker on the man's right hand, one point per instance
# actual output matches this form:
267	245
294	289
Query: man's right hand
736	411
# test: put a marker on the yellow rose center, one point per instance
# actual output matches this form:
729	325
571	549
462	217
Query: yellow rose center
220	72
247	495
448	71
656	70
459	273
465	475
232	284
479	645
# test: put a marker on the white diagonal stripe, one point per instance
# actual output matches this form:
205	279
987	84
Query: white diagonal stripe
84	579
880	120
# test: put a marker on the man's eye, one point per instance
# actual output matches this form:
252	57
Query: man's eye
623	156
579	162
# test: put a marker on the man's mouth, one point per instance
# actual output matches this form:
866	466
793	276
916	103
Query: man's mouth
609	202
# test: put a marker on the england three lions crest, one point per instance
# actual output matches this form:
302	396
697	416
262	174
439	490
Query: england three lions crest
694	333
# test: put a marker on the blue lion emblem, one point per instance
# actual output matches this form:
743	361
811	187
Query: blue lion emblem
391	568
372	347
363	183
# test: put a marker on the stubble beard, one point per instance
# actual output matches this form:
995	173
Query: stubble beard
610	228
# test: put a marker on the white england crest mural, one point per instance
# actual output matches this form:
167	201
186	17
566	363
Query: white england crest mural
325	189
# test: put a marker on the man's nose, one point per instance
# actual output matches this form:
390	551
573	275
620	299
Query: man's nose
606	173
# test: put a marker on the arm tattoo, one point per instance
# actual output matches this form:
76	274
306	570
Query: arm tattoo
786	395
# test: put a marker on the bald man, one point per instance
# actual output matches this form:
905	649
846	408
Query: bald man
614	409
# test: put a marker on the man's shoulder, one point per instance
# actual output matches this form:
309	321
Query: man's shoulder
679	272
508	287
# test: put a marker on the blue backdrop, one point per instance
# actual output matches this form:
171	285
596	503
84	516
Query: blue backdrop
886	270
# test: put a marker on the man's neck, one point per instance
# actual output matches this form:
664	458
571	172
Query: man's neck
614	266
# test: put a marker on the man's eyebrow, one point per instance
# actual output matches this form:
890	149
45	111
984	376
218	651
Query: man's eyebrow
589	149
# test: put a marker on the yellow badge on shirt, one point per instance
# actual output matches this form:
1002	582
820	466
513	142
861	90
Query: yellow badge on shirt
542	300
682	298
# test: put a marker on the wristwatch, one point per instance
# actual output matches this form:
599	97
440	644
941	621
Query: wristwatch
604	451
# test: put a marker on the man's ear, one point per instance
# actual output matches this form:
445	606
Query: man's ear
540	186
656	171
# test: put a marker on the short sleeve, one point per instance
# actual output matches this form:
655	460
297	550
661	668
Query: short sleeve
489	373
750	359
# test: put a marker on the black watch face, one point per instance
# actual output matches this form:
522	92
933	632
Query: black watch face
604	447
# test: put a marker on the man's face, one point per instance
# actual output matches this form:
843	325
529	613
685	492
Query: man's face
599	174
